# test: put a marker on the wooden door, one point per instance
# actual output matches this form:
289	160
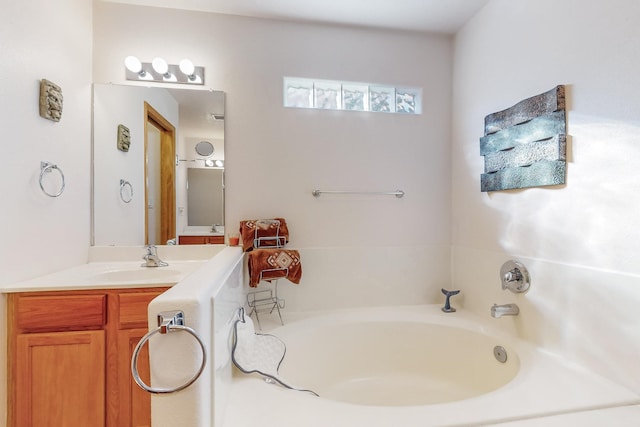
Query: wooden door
60	379
166	229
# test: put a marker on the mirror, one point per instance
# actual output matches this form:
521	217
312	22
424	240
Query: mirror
173	165
204	148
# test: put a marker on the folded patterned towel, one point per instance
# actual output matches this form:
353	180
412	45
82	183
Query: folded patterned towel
270	264
257	233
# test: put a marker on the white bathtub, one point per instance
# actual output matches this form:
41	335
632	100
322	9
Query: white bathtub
395	362
412	366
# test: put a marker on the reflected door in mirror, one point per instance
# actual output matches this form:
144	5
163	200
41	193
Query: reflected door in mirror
159	175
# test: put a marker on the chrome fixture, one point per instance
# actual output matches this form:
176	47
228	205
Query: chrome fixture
47	167
447	305
158	70
168	321
515	277
500	354
151	257
498	311
398	193
126	191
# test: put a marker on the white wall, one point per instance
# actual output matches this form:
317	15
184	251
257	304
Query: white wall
40	234
53	41
356	250
580	240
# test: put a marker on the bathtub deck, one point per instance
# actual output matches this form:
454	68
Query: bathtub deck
536	397
624	416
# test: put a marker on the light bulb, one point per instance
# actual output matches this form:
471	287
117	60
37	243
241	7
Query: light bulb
187	67
160	65
134	65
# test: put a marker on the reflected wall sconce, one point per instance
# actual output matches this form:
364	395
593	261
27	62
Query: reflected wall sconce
158	70
210	163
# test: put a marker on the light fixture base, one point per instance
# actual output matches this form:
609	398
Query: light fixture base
174	74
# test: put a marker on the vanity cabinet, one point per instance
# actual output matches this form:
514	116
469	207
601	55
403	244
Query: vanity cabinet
200	240
69	358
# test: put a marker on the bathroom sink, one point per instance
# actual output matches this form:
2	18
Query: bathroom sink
137	274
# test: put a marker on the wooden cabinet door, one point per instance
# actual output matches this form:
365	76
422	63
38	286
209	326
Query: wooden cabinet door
135	403
60	379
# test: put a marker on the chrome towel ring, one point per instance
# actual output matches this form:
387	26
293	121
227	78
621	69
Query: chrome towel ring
123	193
168	322
46	167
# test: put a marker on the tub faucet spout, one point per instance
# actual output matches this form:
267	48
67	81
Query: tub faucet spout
498	311
151	257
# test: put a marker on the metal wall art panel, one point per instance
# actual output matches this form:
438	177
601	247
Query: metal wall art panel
525	145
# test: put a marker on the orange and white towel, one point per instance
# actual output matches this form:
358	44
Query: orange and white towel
262	229
270	264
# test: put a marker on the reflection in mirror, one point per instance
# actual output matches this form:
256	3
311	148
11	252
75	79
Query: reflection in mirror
204	148
204	188
161	208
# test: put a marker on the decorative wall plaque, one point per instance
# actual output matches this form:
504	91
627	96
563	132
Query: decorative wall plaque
124	138
525	145
50	100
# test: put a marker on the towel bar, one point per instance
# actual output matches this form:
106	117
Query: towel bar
398	193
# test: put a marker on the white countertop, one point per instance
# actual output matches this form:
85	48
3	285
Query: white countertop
102	275
121	267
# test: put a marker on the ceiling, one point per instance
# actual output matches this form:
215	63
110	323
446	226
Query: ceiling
439	16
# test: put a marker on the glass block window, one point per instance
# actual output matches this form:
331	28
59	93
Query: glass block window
407	100
328	95
355	97
383	99
350	96
298	93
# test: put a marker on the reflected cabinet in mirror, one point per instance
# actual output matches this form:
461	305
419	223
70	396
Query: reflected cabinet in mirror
158	165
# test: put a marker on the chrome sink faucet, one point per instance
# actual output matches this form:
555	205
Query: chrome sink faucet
498	311
151	257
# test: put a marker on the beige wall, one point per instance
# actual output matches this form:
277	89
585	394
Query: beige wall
580	240
356	250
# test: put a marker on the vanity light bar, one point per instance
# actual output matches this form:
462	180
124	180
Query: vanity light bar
160	71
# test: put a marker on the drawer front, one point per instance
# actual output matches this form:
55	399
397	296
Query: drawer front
63	312
215	240
201	240
191	240
133	309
